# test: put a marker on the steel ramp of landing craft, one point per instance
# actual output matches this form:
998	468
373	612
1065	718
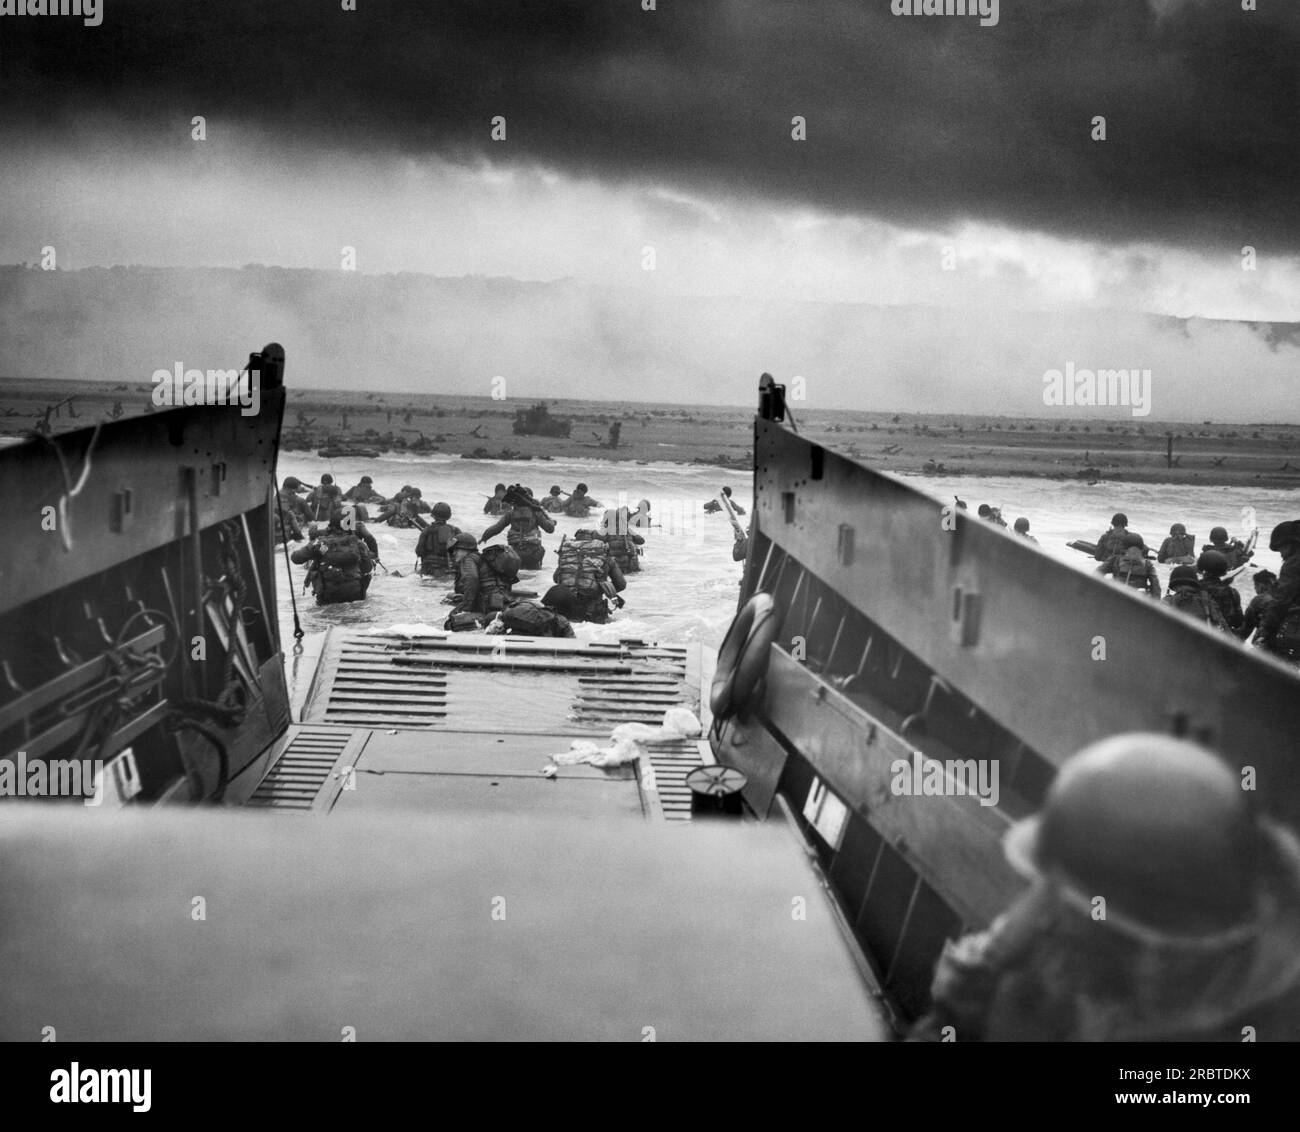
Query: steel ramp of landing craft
457	722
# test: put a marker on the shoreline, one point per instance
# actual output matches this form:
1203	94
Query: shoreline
1092	450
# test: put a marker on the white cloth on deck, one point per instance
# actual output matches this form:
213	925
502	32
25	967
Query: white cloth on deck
628	741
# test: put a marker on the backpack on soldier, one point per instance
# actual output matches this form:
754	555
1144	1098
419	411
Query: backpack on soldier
341	551
1195	603
463	621
504	561
528	618
583	566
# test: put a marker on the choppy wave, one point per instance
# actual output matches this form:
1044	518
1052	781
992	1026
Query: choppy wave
688	587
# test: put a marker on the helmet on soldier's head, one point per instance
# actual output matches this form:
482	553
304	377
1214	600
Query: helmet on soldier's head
984	510
580	489
1219	534
1131	538
1183	576
464	541
415	492
293	483
327	478
1178	530
1213	563
1285	534
441	511
1119	519
1022	525
1157	826
366	479
555	489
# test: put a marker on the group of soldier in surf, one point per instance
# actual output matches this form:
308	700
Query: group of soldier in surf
590	573
1201	585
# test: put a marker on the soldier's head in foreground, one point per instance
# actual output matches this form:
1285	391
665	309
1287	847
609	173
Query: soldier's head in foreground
1285	538
1160	907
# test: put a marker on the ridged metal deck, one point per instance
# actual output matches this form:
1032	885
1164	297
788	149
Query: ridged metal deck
418	721
449	681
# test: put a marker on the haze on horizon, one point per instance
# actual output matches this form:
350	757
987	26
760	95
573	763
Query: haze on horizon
946	166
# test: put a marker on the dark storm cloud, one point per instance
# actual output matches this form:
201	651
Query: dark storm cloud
920	120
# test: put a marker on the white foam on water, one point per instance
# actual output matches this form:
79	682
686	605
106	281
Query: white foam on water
689	586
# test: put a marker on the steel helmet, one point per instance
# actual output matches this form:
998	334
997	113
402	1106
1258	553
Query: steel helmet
1219	534
1178	530
555	489
1212	562
441	511
1132	538
1284	533
464	541
1119	519
293	483
1183	576
1022	525
1157	826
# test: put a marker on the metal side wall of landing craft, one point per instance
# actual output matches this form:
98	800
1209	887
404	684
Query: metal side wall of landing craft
904	636
1017	632
132	539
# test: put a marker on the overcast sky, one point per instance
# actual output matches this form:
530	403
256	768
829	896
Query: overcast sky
927	137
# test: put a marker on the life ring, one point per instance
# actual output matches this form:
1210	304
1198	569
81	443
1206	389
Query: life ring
742	660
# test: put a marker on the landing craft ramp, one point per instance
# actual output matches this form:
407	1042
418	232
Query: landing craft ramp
405	871
437	719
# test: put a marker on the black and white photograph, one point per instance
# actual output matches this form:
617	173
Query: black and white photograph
699	521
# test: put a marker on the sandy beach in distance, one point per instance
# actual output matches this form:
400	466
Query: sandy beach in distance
1068	448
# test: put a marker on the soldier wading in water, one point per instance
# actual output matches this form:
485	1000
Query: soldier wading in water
340	560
